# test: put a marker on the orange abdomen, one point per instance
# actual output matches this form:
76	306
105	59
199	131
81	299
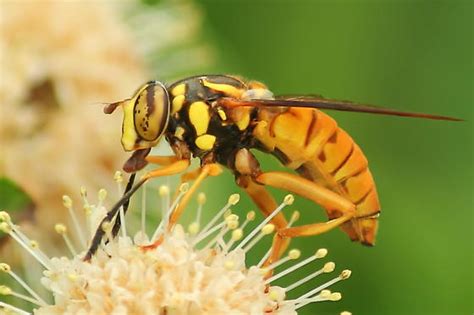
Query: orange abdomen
310	142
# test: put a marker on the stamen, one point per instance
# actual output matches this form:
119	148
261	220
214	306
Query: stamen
319	254
7	269
164	192
164	221
237	235
325	295
328	267
62	230
13	308
67	202
202	235
294	217
194	227
232	201
292	255
118	177
266	230
232	222
143	212
7	228
4	290
345	274
287	201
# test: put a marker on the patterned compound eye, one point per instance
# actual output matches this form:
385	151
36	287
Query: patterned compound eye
151	111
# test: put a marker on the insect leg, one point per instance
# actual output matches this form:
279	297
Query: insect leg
212	169
247	168
161	160
314	192
171	169
266	204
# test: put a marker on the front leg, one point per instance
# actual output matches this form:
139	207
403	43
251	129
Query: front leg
171	169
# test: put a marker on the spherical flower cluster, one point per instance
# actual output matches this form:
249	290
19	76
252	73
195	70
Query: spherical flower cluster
198	271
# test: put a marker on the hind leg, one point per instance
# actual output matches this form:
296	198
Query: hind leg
314	192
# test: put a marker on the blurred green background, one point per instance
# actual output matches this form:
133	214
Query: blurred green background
409	55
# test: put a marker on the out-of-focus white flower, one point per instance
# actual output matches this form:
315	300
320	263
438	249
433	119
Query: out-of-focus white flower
201	271
59	61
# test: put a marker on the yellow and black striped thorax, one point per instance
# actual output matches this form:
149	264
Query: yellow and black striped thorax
205	127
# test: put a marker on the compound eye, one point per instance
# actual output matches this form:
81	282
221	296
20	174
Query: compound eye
151	111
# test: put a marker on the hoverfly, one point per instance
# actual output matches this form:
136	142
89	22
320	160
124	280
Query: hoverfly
220	118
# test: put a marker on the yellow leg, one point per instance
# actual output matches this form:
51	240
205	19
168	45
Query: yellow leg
266	203
205	171
161	160
171	169
314	192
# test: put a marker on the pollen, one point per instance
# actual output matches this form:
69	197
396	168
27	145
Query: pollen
205	142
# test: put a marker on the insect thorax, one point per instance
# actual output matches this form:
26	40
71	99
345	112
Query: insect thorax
207	130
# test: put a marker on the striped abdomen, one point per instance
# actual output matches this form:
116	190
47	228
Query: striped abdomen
310	142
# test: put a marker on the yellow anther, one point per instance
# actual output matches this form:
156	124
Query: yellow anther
184	187
34	244
67	201
5	267
294	254
345	274
251	215
276	294
205	142
102	194
201	198
193	228
322	252
72	276
268	229
164	190
329	267
289	199
177	103
60	228
229	265
336	296
87	210
222	114
5	227
83	191
295	216
118	177
232	217
4	216
234	199
199	117
232	225
325	294
237	234
346	313
4	290
180	89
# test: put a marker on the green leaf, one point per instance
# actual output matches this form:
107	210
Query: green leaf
13	199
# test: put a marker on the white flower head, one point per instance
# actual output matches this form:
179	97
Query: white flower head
198	271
